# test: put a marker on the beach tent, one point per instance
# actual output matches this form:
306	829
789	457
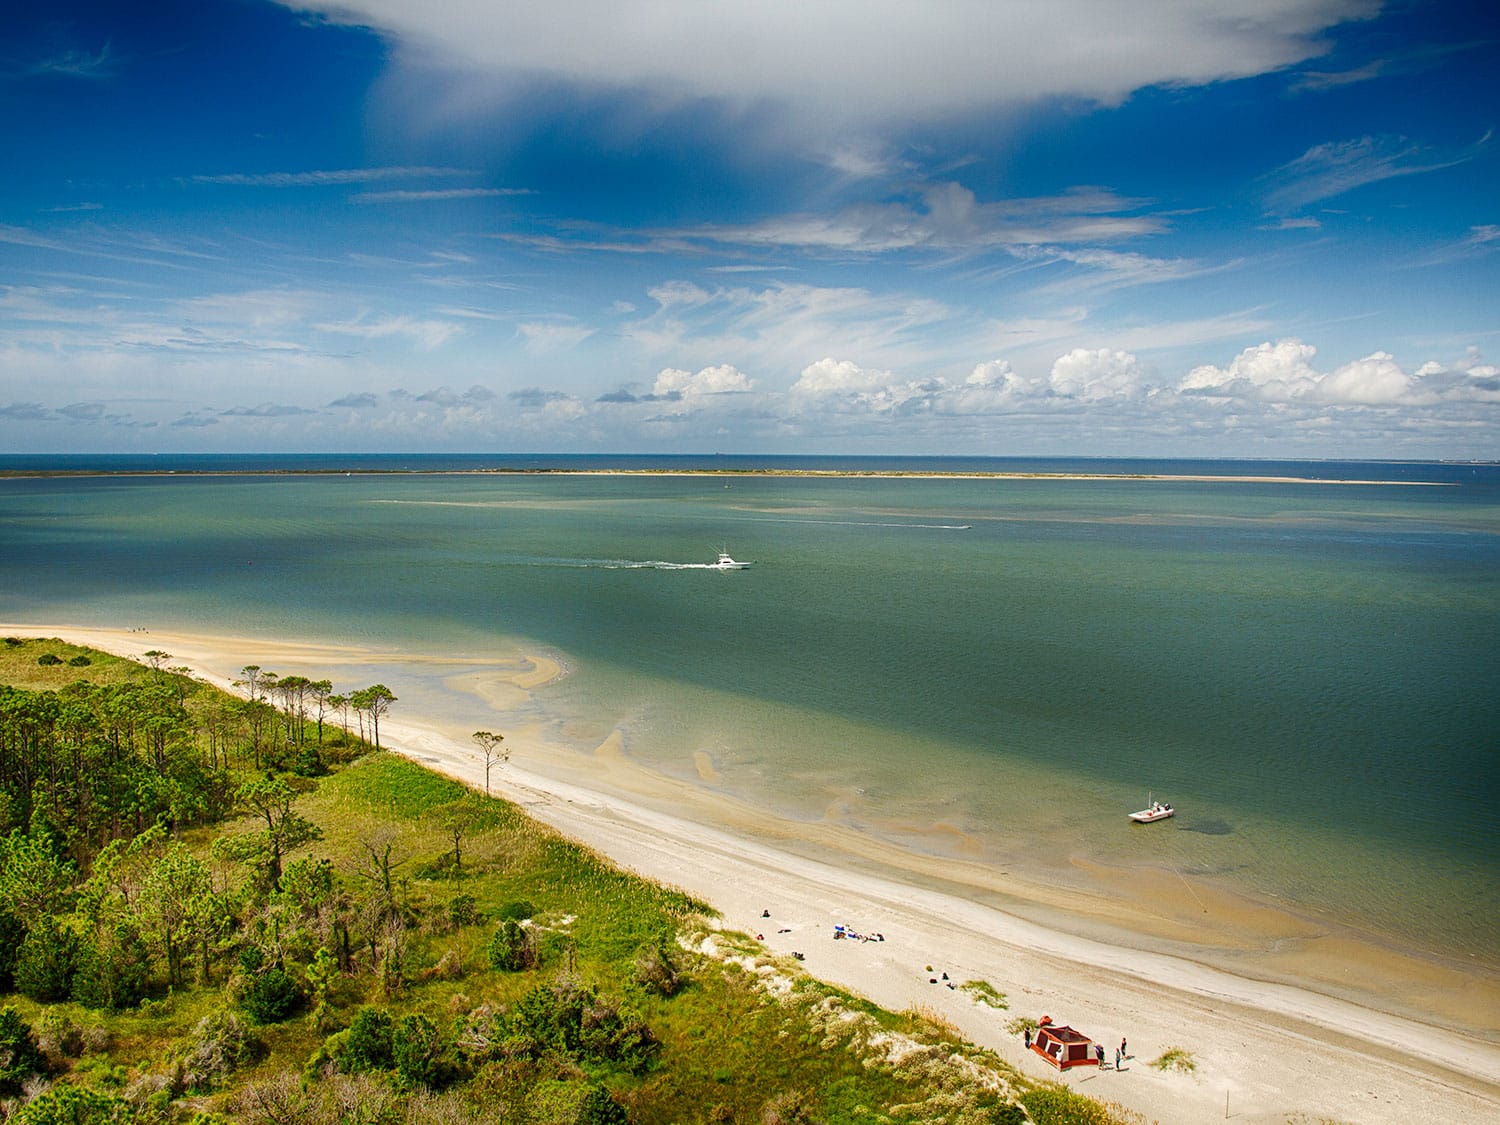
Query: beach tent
1062	1046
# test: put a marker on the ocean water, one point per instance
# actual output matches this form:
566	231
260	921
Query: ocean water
1310	672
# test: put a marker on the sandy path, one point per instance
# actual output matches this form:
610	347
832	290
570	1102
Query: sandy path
1266	1051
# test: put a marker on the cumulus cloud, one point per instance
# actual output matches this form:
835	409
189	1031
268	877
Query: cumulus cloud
361	401
1271	371
845	386
1283	372
720	380
534	398
266	410
830	376
26	412
894	59
1096	374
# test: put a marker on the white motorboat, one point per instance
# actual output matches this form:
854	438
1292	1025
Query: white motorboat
726	563
1153	812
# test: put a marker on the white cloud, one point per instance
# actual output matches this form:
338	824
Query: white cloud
542	337
992	388
1335	167
1375	379
1276	372
719	380
327	177
436	195
1283	372
1096	374
839	376
775	327
849	60
426	334
948	217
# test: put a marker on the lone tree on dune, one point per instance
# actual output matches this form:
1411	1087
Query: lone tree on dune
489	745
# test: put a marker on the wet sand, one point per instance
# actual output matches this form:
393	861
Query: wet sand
1279	1037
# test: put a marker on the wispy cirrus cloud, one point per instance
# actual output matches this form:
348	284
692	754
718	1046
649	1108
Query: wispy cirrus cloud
1330	169
327	177
77	63
779	325
947	217
434	196
427	334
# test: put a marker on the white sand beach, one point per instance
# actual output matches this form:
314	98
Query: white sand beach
1264	1052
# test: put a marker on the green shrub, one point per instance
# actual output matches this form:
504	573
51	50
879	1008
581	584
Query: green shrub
655	972
74	1105
985	993
308	761
80	661
221	1046
20	1057
463	911
366	1045
513	947
572	1019
420	1054
1175	1058
565	1102
271	996
1054	1105
47	660
517	911
599	1108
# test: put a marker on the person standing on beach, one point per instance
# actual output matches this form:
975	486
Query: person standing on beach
1117	1058
1124	1054
1028	1038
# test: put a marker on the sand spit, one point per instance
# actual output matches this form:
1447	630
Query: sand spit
852	474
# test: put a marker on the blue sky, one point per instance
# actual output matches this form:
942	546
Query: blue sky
1168	227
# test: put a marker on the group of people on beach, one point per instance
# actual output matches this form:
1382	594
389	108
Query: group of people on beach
1121	1052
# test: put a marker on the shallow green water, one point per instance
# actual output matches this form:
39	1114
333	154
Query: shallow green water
1311	673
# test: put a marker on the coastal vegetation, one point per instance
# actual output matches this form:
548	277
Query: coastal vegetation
237	909
1175	1058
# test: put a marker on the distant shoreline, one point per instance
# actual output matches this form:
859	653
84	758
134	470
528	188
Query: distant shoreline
856	474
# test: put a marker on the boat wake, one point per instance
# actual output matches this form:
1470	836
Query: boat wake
623	564
859	523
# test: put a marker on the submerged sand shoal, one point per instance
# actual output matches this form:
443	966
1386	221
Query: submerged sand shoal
1264	1051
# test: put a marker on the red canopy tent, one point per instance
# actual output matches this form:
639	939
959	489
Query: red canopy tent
1062	1046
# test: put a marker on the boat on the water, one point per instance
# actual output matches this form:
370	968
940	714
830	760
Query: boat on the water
726	563
1153	812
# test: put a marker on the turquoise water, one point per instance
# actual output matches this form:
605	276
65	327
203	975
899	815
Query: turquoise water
1311	672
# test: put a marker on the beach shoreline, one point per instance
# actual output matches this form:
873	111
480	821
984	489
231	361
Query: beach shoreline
1270	1049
